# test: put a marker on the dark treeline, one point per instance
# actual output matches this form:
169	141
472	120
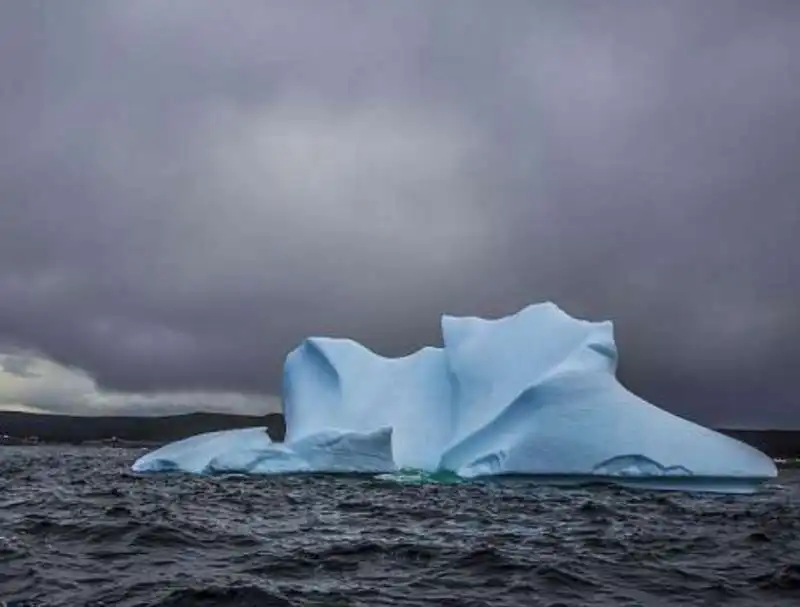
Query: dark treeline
19	427
22	427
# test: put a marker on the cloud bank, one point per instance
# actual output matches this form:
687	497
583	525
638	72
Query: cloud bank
186	191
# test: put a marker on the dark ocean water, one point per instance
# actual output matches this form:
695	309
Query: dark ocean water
77	528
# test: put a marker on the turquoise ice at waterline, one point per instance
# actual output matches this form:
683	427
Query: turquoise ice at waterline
531	394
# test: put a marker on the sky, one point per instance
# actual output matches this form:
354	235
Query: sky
189	188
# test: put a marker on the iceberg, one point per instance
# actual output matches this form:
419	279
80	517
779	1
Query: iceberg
533	394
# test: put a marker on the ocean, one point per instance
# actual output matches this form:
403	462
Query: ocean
78	528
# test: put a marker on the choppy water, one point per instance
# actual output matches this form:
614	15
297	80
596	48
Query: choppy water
76	528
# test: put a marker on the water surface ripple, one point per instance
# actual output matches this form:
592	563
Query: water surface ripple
77	528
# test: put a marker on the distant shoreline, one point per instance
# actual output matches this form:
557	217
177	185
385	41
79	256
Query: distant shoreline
19	428
31	428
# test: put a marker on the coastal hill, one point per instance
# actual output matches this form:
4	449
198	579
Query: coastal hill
16	427
26	428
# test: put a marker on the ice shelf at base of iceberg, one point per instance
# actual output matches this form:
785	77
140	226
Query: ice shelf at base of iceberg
196	453
251	451
533	394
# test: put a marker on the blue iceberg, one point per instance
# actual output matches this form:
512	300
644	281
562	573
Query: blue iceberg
531	394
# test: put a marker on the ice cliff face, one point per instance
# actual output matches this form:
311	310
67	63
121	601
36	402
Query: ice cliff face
534	393
339	384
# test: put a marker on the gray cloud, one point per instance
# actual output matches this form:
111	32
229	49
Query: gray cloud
43	386
188	190
18	366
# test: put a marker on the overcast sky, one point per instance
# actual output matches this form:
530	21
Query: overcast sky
189	188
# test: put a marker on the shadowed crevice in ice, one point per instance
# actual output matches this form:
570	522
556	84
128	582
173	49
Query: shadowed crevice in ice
532	394
638	465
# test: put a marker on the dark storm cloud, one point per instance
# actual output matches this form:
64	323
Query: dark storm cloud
186	190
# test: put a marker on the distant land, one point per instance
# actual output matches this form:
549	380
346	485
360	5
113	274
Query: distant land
31	428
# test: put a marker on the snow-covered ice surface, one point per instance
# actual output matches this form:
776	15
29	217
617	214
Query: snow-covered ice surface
530	394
